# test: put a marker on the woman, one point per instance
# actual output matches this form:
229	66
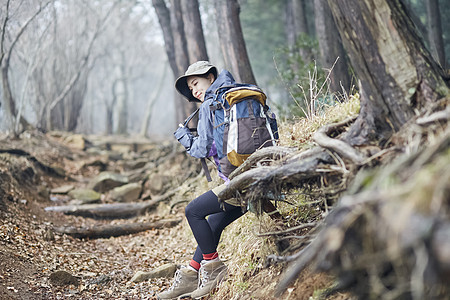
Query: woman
205	270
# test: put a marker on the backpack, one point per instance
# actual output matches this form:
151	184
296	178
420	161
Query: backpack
243	123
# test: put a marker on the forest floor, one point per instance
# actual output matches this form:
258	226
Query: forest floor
31	252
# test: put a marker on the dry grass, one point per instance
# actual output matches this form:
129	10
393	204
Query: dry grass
298	132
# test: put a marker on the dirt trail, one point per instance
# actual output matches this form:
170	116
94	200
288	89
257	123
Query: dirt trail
30	251
32	254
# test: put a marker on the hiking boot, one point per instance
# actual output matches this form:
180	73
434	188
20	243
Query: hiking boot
211	274
185	282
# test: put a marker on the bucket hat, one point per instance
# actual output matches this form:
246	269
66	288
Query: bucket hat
198	68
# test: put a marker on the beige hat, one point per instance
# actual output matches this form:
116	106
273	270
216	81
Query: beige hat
198	68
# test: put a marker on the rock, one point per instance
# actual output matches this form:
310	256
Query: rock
48	235
135	164
76	141
44	192
106	181
101	280
85	195
63	278
126	193
155	183
166	271
62	189
115	155
59	171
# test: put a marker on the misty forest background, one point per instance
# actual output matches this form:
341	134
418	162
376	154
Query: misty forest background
102	67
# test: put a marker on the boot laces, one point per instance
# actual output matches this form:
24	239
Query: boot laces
176	280
204	278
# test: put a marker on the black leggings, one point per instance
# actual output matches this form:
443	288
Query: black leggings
207	231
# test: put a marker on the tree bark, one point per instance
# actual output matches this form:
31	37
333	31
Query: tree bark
331	48
398	75
232	40
194	31
435	31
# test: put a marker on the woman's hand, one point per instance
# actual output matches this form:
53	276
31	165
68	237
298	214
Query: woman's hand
184	136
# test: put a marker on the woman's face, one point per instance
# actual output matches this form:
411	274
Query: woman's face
198	85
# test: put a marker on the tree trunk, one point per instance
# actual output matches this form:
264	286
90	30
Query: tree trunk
295	21
121	94
435	36
194	31
331	48
398	75
232	40
171	22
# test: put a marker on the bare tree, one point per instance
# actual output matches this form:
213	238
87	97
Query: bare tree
232	40
331	48
295	23
5	59
175	39
72	92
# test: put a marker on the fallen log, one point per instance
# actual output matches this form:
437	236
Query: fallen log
106	231
106	211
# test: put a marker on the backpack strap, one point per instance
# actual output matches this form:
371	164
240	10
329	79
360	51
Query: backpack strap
205	169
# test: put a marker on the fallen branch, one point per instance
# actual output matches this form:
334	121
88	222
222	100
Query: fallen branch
106	231
107	211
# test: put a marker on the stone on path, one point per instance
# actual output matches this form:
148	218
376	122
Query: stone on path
106	181
126	193
166	271
63	278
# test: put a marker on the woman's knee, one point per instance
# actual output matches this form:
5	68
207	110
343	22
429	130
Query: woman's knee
189	211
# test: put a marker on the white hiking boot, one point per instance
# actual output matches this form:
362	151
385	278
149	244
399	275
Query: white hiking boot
211	274
185	282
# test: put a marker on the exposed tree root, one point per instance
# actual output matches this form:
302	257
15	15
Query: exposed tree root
261	156
322	138
289	169
389	243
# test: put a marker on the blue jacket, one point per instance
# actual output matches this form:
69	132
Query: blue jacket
200	146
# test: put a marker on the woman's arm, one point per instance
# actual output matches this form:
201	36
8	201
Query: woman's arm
198	146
